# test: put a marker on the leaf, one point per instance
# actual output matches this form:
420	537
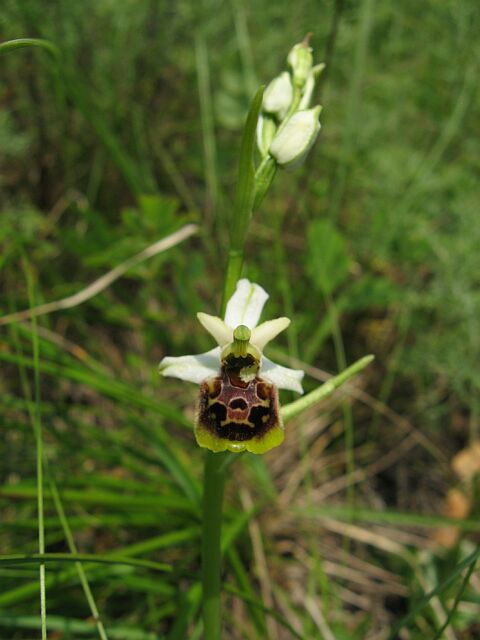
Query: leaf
245	192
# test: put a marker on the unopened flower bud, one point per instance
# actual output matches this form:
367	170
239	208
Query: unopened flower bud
266	129
278	95
293	142
300	60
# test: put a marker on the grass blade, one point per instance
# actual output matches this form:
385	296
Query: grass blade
37	428
111	558
21	43
423	602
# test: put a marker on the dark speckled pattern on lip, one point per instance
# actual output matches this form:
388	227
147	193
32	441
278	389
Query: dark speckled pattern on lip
235	410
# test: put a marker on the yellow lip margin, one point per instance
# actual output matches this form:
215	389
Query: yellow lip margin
261	444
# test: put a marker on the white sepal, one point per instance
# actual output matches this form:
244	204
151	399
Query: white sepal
246	304
192	368
282	377
293	142
278	95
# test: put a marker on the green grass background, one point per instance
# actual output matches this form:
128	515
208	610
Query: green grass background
371	247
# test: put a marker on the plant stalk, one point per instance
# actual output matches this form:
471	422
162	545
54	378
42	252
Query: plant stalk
215	467
213	489
214	483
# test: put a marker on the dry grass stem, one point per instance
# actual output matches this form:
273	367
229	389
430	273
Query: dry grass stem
97	286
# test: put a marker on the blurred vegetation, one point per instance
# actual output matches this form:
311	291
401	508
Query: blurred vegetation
372	246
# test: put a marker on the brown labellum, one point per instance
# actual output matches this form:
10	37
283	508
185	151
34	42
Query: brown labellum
238	410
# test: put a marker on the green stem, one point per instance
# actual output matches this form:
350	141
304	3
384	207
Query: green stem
214	482
213	489
232	275
299	406
215	467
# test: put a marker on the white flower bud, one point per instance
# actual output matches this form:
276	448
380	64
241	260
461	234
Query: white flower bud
300	60
278	95
310	85
293	141
266	129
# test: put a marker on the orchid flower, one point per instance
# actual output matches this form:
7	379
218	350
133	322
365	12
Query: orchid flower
238	407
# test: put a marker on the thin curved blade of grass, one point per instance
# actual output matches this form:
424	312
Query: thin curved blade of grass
236	527
157	503
424	602
22	43
38	558
390	517
254	602
350	129
162	446
72	547
139	182
175	538
189	605
115	389
244	44
456	602
171	462
243	579
113	521
36	420
207	118
34	413
192	604
341	360
80	628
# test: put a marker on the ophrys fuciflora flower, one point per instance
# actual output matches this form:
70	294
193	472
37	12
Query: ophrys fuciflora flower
238	407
